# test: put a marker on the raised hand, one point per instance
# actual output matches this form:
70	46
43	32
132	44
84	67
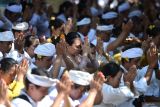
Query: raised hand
130	75
64	86
128	26
152	55
99	46
98	81
68	26
3	92
145	44
61	48
22	69
86	47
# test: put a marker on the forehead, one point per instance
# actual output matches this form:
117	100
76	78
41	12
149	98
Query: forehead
77	41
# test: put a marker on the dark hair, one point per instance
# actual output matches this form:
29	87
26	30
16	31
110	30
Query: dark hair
36	71
110	69
29	40
56	23
65	6
7	64
132	45
70	37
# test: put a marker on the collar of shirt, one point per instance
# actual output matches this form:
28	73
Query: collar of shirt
124	69
33	103
81	36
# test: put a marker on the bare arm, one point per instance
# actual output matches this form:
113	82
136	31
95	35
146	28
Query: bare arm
152	57
57	65
125	32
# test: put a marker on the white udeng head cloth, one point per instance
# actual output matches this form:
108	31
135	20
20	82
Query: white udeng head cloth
47	49
6	36
21	26
110	15
16	8
132	53
84	21
42	81
80	77
123	7
105	27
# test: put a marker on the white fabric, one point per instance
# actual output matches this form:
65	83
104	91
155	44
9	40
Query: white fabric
12	54
41	80
47	49
94	11
6	36
80	77
105	27
8	23
1	56
110	15
91	35
154	87
84	21
21	26
123	7
41	23
114	4
105	44
1	24
141	85
17	8
114	96
1	105
132	53
62	17
48	100
18	102
137	13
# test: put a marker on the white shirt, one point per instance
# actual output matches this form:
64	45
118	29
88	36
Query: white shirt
18	102
114	96
48	100
154	87
91	35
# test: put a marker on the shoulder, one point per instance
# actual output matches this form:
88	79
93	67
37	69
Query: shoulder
18	102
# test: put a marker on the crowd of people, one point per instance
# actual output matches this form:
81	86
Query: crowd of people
91	53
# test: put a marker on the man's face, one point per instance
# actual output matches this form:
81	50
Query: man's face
77	91
47	61
6	46
37	93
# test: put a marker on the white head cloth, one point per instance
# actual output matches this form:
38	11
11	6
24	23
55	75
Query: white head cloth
6	36
123	7
105	27
110	15
43	81
47	49
84	21
137	13
21	26
16	8
132	53
80	77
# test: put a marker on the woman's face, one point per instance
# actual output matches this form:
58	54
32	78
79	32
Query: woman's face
10	75
76	47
